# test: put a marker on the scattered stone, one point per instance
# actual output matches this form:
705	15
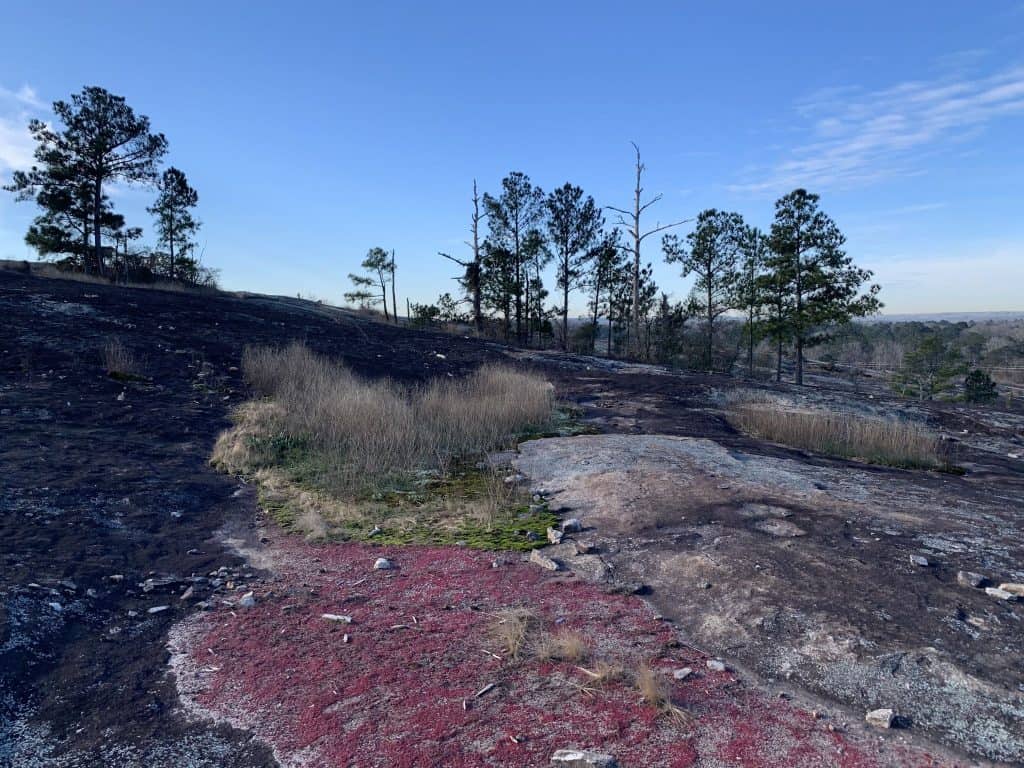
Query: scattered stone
375	531
582	758
56	606
187	593
159	609
780	528
337	618
543	561
881	718
248	600
513	479
120	398
382	564
969	579
918	560
532	536
90	592
554	536
584	547
116	577
704	585
572	525
716	665
682	674
537	509
1002	594
1014	589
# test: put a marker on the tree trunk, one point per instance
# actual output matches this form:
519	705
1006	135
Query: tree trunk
711	329
593	333
170	241
97	234
565	309
778	364
394	301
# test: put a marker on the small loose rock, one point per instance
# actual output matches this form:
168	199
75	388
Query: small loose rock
248	600
572	525
382	564
543	561
716	665
554	536
881	718
919	561
682	674
969	579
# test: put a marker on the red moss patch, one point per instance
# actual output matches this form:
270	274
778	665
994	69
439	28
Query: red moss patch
419	648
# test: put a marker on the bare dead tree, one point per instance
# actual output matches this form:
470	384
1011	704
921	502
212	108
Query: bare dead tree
630	221
394	301
474	267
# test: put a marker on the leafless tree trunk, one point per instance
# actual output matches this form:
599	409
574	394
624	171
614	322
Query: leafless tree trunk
394	301
474	268
630	220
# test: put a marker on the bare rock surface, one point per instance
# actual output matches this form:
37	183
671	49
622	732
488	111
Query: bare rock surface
802	572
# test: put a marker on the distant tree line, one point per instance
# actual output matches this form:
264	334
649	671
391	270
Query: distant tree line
99	141
791	287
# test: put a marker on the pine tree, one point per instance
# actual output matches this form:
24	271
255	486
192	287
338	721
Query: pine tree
711	253
101	140
175	224
809	264
574	226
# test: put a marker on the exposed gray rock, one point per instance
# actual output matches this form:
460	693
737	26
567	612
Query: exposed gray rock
583	547
682	674
554	536
248	600
1014	589
881	718
159	609
582	758
543	561
382	564
572	525
919	560
716	665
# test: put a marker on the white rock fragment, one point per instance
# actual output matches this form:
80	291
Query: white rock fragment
337	618
382	564
919	560
881	718
1014	589
716	665
969	579
248	600
554	535
682	674
1002	594
582	758
159	609
572	525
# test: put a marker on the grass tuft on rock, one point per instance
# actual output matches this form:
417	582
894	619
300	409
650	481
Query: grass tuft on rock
339	457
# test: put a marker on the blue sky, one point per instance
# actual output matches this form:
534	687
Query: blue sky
314	131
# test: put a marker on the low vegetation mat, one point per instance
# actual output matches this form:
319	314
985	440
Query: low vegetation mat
436	661
337	456
892	442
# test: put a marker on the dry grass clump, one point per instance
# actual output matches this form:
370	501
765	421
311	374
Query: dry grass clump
364	432
654	693
511	628
564	645
118	360
890	441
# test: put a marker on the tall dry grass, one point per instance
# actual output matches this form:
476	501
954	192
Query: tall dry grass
892	441
364	432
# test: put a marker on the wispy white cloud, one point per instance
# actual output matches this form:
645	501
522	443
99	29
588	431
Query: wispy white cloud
857	137
17	107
